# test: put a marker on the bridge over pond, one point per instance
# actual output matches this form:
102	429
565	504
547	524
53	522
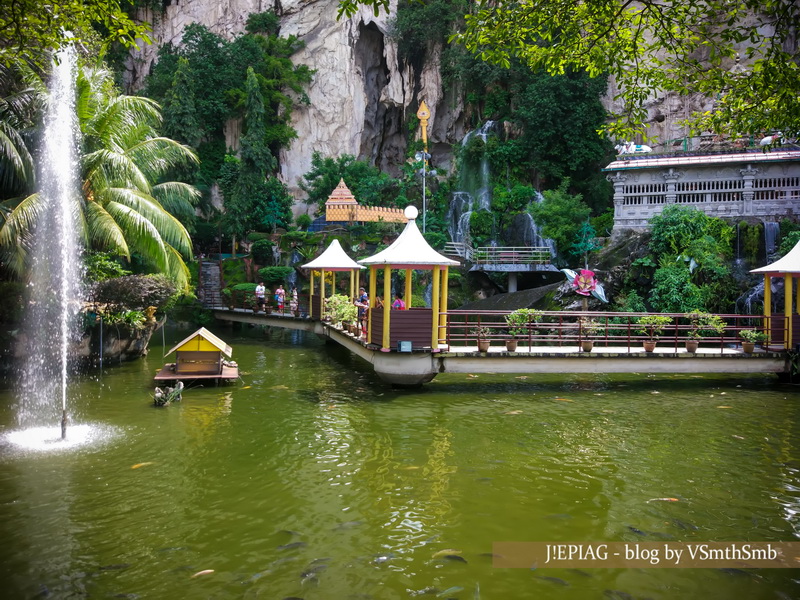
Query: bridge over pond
551	345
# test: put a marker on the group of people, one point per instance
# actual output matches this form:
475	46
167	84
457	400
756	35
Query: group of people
362	303
262	293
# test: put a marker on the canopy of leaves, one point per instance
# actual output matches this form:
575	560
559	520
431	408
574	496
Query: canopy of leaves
651	46
31	29
561	216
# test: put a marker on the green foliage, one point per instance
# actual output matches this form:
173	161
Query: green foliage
753	335
233	271
31	30
102	265
704	324
678	227
189	309
630	301
340	309
604	223
481	227
435	239
561	216
674	291
135	292
179	111
520	322
585	242
267	23
655	47
133	319
420	24
303	221
13	304
261	251
788	242
272	276
368	184
653	325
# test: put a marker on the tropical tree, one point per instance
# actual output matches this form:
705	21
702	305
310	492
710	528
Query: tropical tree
125	206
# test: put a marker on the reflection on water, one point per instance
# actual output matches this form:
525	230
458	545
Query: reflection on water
313	480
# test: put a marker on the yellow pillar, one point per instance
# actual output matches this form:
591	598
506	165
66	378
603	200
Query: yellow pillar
321	294
387	301
443	307
435	309
358	279
352	283
408	288
372	291
767	305
333	282
787	311
311	294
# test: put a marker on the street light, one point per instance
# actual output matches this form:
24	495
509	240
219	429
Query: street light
423	157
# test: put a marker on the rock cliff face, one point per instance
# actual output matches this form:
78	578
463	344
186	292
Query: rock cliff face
361	94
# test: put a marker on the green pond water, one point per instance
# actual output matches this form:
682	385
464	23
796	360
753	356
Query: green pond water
311	479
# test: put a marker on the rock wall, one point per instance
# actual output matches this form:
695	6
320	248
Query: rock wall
360	98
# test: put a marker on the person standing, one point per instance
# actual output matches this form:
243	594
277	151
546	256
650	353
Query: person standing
293	303
362	302
398	303
280	297
261	295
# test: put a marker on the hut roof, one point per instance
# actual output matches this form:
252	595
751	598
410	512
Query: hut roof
341	194
787	265
333	259
410	249
206	335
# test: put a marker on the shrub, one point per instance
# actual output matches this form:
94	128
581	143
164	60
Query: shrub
653	325
261	251
272	276
134	319
102	265
303	221
135	291
521	320
341	309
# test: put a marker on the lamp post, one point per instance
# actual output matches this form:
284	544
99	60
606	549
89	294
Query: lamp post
423	157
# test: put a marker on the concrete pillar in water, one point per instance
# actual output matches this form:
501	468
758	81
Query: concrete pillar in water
512	282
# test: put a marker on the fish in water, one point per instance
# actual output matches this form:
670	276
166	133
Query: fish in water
662	500
292	546
140	465
451	590
347	525
454	558
617	595
203	572
428	591
635	530
247	387
379	559
579	572
290	532
556	580
513	412
477	594
685	525
564	400
445	552
258	576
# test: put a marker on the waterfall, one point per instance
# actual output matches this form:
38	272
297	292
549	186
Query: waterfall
532	235
475	192
771	234
54	290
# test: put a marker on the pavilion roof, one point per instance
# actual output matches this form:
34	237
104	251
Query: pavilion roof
786	265
206	335
333	259
410	249
341	194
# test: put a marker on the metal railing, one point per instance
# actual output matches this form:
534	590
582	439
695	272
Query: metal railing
500	255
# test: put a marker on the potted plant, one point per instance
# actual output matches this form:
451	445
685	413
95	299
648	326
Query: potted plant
341	309
519	324
482	334
702	324
587	329
652	326
751	337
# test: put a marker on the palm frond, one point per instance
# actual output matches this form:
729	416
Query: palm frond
178	271
103	231
21	219
16	164
140	233
177	198
157	155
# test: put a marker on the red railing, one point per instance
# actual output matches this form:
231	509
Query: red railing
606	329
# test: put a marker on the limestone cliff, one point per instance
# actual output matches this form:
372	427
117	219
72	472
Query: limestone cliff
361	94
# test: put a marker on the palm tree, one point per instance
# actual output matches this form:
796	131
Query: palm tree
125	205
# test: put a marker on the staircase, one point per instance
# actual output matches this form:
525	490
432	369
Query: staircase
209	284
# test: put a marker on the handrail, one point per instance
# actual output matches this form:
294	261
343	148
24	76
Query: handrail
513	255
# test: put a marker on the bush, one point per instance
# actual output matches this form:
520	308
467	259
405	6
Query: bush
303	221
134	319
188	308
103	265
135	291
261	251
272	276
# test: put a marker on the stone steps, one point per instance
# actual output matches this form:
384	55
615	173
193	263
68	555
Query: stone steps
209	292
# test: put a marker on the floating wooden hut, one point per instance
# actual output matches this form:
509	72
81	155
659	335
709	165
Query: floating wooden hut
200	356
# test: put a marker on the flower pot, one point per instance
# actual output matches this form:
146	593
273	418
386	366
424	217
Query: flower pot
691	345
587	345
483	345
748	347
649	345
511	345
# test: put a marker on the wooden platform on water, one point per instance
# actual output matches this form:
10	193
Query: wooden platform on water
167	373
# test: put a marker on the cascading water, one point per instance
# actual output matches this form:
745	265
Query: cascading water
54	291
771	233
475	191
532	236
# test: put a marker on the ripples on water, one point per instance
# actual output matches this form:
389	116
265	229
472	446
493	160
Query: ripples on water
311	479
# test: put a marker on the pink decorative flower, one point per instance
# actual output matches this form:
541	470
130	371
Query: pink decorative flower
584	282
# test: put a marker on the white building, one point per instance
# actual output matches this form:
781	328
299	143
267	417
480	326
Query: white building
759	185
